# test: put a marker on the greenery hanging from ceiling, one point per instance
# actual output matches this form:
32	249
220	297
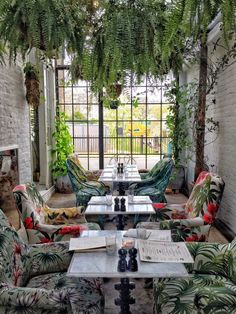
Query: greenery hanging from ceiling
45	25
122	41
188	20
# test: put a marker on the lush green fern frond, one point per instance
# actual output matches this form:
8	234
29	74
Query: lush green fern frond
44	24
123	42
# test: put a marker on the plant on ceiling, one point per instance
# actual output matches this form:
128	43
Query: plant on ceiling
32	83
122	42
45	25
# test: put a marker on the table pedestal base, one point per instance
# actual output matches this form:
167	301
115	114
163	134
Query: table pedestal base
121	189
120	223
125	298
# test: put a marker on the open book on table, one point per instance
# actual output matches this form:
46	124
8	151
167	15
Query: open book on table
88	244
170	252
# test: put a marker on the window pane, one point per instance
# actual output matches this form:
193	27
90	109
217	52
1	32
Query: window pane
81	145
139	93
124	112
110	129
154	128
110	114
92	112
80	95
139	113
154	112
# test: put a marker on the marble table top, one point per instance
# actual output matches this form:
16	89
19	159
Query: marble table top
131	176
99	264
97	206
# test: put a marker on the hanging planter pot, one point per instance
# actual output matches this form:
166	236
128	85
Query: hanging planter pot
114	104
32	84
114	91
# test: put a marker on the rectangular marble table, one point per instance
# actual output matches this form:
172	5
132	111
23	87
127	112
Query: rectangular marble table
97	206
99	264
132	175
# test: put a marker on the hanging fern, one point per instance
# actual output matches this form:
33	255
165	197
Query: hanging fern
42	24
122	42
188	20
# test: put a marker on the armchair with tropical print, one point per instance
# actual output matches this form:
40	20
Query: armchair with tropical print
210	288
156	169
191	221
89	175
83	188
44	224
33	279
155	186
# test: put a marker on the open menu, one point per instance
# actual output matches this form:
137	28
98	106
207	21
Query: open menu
170	252
152	235
87	244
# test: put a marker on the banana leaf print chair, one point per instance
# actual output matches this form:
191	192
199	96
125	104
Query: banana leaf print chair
210	288
156	185
155	169
87	174
44	224
33	278
83	188
191	221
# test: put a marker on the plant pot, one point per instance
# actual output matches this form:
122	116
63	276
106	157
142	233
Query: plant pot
114	91
63	185
114	104
178	174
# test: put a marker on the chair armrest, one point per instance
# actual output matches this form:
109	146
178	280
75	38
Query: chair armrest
216	298
143	171
49	257
63	215
179	223
31	298
211	258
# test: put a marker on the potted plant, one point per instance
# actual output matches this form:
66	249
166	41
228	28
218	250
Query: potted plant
63	148
177	123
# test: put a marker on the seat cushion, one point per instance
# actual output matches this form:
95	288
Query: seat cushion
83	295
180	295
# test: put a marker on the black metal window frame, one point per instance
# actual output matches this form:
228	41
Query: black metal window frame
102	120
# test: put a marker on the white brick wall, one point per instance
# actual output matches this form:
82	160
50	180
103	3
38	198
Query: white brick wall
14	117
222	152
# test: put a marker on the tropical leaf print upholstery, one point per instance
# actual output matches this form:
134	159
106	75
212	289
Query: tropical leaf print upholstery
33	279
83	188
210	288
44	224
191	221
156	169
89	175
156	185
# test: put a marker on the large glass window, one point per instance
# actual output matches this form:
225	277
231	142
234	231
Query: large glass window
139	130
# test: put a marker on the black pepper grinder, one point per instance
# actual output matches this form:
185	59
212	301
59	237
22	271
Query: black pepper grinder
117	205
123	206
133	264
122	263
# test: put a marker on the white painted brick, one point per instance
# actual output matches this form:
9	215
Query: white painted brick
222	152
14	117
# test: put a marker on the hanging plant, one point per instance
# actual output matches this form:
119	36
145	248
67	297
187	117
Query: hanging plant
122	42
32	84
44	24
